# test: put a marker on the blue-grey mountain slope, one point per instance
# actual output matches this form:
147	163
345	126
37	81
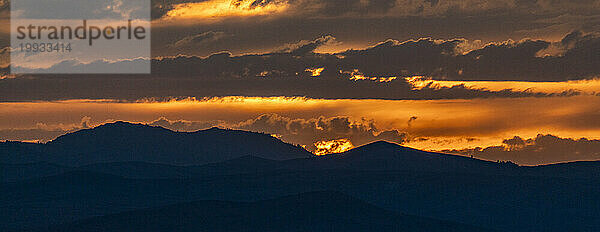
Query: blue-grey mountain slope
125	142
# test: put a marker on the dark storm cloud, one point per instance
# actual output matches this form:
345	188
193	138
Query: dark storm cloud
542	149
307	47
345	7
375	72
199	39
577	56
134	88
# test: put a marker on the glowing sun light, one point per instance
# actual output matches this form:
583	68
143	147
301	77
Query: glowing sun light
333	146
223	8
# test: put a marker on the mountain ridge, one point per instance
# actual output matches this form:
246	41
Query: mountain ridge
163	153
122	141
310	211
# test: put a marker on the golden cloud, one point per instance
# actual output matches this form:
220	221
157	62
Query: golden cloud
216	9
333	146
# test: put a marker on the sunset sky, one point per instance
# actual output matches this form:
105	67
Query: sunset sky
497	79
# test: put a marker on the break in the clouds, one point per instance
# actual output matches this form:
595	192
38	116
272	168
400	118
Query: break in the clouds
310	131
307	132
543	149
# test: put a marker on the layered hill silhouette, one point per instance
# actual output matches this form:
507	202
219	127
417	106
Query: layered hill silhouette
313	211
123	142
125	174
127	142
378	156
141	151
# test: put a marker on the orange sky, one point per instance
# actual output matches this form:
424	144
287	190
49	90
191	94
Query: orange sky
203	28
446	124
591	86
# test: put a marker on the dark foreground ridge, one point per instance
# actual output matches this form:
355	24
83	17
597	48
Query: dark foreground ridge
127	177
124	142
312	211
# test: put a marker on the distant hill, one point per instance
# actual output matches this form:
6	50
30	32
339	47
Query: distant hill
377	156
381	156
124	142
505	203
313	211
114	172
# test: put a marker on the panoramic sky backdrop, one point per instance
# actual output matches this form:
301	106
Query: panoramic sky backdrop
496	79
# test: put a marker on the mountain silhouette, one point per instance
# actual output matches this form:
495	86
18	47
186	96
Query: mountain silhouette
496	201
312	211
377	156
381	155
123	142
115	174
